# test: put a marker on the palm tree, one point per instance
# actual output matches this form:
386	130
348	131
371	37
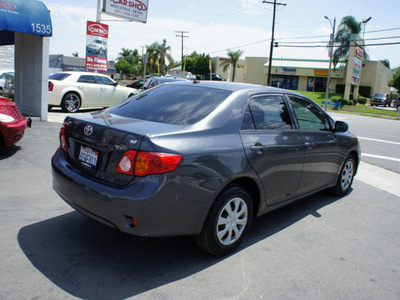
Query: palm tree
349	25
132	57
125	54
234	57
157	53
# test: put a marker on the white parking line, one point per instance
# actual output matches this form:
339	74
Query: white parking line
380	141
380	178
381	157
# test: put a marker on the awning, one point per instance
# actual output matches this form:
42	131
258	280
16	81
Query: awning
27	16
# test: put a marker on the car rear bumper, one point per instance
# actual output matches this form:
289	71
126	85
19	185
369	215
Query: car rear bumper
152	200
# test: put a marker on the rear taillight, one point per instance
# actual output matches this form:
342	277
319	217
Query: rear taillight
63	139
146	163
51	86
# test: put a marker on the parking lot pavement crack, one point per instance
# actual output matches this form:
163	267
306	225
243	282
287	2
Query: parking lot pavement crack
380	178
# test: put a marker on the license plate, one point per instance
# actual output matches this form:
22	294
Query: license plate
88	157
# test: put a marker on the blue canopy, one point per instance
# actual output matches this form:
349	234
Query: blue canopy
27	16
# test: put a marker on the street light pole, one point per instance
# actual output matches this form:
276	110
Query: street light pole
328	82
365	21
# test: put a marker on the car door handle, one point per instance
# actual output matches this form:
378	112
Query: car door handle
257	147
309	144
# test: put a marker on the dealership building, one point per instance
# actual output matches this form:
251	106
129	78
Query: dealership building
307	74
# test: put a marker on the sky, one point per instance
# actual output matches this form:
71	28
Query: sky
214	26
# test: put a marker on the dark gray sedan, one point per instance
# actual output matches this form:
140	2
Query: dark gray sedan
202	159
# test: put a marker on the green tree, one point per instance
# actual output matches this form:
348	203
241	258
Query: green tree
158	54
348	26
123	66
202	64
395	81
233	60
133	58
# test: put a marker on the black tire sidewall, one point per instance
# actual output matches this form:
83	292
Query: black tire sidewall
63	106
212	220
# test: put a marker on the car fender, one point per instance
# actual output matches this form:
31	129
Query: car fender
73	90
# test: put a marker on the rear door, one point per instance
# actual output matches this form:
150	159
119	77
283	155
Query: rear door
109	93
322	155
90	90
273	146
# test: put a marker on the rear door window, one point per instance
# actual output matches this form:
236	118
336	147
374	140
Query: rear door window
86	79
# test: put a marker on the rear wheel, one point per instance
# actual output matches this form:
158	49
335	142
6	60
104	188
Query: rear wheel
346	177
71	102
227	222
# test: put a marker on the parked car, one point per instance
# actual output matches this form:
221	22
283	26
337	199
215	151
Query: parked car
12	123
73	90
201	158
97	46
4	75
137	84
214	77
381	99
154	81
396	103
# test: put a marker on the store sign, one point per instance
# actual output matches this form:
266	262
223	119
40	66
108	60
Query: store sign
356	71
288	70
96	46
359	52
321	73
132	10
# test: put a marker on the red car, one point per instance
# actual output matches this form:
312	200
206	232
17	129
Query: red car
12	123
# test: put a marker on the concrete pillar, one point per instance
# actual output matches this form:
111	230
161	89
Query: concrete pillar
31	74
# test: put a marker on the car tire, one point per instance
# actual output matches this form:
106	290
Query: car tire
227	222
346	176
71	102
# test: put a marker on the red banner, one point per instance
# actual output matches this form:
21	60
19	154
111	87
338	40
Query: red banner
96	46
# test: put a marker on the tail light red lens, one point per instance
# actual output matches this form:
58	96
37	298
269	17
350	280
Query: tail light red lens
63	140
51	86
146	163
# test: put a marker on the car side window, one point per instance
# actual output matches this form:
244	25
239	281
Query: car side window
309	116
86	79
3	76
268	112
104	80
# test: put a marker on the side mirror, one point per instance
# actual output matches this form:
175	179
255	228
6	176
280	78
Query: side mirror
115	83
341	126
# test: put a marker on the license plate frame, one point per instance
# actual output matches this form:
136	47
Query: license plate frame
88	157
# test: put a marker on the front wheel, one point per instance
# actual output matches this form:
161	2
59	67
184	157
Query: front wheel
346	177
71	102
227	222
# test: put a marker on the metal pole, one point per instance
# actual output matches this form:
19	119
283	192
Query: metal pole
271	47
328	82
272	40
98	14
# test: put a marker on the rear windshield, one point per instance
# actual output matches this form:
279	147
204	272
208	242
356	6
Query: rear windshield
380	95
59	76
172	104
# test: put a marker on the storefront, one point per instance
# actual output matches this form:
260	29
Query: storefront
27	25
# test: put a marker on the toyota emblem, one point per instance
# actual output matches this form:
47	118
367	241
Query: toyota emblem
88	130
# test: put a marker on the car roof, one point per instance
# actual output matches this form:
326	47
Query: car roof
235	86
81	73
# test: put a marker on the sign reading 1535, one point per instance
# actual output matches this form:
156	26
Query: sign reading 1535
41	28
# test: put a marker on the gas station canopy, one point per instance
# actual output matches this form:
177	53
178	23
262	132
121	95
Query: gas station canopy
25	16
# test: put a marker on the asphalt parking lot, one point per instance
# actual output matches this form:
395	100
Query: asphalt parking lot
322	247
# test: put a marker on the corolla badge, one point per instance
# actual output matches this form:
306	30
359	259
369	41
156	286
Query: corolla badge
88	130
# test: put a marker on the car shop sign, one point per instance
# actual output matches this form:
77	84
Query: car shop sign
132	10
96	46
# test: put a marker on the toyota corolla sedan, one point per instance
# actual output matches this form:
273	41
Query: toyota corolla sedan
201	159
12	123
73	90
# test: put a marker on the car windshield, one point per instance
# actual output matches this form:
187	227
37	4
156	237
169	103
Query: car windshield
172	104
59	76
380	95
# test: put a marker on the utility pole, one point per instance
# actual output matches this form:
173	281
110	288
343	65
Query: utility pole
181	35
272	39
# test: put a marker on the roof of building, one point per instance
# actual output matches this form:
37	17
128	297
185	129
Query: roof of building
300	63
